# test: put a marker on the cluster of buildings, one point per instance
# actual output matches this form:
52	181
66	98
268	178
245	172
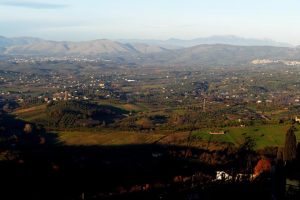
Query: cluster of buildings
268	61
32	60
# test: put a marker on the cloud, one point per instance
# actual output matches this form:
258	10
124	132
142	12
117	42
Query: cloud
33	5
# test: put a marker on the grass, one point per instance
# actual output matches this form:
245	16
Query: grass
264	135
32	113
107	138
125	106
38	108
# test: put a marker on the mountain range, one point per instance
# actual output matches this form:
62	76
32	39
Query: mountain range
154	53
222	55
35	46
217	39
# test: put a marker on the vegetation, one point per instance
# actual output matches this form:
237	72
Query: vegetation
264	135
70	114
146	131
290	147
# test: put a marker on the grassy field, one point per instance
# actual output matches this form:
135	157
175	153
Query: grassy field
32	113
264	135
125	106
107	138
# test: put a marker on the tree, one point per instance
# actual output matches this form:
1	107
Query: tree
298	152
145	123
27	128
290	147
279	153
245	153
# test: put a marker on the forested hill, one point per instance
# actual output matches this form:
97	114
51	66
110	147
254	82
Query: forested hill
68	114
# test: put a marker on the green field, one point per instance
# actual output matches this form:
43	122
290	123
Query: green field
264	135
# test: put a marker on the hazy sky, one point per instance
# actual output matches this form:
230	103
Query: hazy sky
150	19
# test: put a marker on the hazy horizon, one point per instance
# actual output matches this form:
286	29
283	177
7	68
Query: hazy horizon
67	20
158	39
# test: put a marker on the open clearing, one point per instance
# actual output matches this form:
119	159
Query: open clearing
264	135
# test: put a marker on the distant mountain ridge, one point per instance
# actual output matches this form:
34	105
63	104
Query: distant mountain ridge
222	55
39	47
4	42
137	53
222	39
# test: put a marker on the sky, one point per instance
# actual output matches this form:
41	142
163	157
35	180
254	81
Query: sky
79	20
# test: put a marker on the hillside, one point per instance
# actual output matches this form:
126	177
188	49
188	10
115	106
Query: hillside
151	55
5	42
67	114
38	47
222	55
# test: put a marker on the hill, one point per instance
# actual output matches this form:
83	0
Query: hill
221	55
70	114
153	55
5	42
38	47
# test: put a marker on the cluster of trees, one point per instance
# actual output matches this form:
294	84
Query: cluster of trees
68	114
30	101
142	123
192	118
15	134
8	106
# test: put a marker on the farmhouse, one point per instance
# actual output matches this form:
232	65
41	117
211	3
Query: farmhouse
221	175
